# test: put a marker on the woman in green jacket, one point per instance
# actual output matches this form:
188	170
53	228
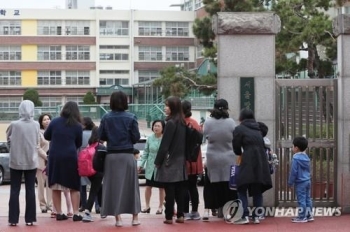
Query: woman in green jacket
148	157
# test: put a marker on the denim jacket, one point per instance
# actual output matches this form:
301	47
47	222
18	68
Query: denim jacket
120	130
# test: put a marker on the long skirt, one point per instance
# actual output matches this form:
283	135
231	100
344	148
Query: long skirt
120	192
217	194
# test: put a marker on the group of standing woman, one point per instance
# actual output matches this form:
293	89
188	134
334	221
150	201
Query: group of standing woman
225	140
164	161
61	139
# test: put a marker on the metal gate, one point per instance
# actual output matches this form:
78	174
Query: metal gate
307	108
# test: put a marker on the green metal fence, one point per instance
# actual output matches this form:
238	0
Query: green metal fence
142	111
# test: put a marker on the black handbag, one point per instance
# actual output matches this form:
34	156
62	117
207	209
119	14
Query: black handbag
98	161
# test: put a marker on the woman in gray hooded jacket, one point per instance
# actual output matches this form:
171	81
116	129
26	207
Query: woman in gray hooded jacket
23	136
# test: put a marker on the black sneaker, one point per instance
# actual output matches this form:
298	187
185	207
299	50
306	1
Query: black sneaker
77	218
61	217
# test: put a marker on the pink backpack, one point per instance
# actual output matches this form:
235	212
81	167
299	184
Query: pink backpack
85	157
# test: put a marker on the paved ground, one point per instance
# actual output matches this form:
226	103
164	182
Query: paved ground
153	222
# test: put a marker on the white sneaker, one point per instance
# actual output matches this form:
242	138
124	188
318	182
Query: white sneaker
241	221
196	215
205	216
187	216
87	217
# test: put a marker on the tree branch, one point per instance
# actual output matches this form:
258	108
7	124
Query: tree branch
330	34
193	83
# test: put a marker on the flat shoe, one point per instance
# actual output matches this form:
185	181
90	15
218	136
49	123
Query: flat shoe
61	217
118	223
135	222
12	224
168	221
180	220
29	224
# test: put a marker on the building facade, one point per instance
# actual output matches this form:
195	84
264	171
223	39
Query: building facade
64	53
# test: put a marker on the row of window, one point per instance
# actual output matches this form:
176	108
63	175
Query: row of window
114	56
113	81
52	27
54	52
171	29
47	78
107	28
48	101
10	53
171	54
10	27
148	75
9	78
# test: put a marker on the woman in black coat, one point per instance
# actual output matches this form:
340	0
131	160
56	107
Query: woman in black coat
171	162
254	175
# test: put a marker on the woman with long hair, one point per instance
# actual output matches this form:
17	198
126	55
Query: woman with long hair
120	191
65	136
43	186
170	160
148	157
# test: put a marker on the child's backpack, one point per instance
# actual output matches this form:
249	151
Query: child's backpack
194	140
85	157
271	158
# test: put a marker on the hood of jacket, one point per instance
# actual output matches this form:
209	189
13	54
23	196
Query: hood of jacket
303	160
26	110
251	123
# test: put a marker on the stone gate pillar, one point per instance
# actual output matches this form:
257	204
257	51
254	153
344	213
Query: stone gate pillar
246	67
341	28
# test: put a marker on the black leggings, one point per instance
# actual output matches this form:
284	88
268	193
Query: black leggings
95	190
191	194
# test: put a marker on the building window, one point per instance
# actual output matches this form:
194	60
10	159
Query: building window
114	28
150	53
198	4
10	78
177	53
51	101
114	46
188	5
77	99
150	28
114	71
199	51
49	78
148	75
10	103
77	28
10	27
49	27
77	78
77	53
10	53
177	29
52	52
346	9
114	56
113	81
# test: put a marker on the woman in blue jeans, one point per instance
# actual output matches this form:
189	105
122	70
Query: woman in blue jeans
254	175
